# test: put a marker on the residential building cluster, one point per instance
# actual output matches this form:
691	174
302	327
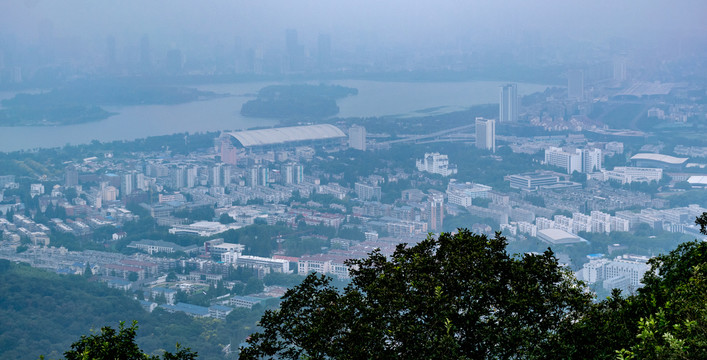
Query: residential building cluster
624	272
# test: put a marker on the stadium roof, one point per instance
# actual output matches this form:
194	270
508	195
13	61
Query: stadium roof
697	180
264	137
557	236
660	158
648	89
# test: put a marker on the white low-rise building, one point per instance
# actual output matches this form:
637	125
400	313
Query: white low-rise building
624	272
462	194
627	174
436	163
324	264
593	271
201	228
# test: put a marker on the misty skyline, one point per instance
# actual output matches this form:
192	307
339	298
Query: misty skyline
45	41
391	22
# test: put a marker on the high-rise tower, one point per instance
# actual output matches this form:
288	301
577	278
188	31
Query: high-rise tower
357	137
324	52
71	176
575	85
508	104
435	208
486	134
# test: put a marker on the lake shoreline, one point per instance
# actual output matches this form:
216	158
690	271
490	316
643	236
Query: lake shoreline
374	99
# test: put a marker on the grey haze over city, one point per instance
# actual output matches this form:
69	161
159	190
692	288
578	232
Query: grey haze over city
200	27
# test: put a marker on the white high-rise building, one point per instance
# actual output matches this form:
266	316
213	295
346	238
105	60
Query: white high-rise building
575	85
568	161
226	175
253	174
192	176
215	175
435	207
264	176
508	104
299	174
140	182
178	175
486	134
591	159
620	69
126	184
357	138
109	193
292	173
367	192
601	222
288	174
594	271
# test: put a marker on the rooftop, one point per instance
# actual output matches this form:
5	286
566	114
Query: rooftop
659	157
263	137
648	89
557	236
697	180
188	308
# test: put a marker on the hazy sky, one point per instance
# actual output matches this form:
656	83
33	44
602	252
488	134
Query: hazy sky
395	21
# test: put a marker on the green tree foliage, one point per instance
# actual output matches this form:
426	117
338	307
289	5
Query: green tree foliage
282	279
300	245
287	101
110	344
688	197
226	219
351	233
87	272
536	200
675	295
259	239
702	222
578	177
70	193
457	296
253	286
104	233
665	319
480	201
201	213
462	296
44	313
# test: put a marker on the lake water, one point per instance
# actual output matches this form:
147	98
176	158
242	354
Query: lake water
373	99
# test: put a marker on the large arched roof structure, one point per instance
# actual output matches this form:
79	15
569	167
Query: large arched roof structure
557	237
661	158
284	135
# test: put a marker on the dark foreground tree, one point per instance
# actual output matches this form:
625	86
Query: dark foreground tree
665	319
674	323
119	345
454	297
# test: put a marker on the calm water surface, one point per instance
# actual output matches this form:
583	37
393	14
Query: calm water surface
373	99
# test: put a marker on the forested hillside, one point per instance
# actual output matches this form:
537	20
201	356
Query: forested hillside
43	314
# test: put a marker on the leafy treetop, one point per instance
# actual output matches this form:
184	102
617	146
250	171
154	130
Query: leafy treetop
457	296
110	344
